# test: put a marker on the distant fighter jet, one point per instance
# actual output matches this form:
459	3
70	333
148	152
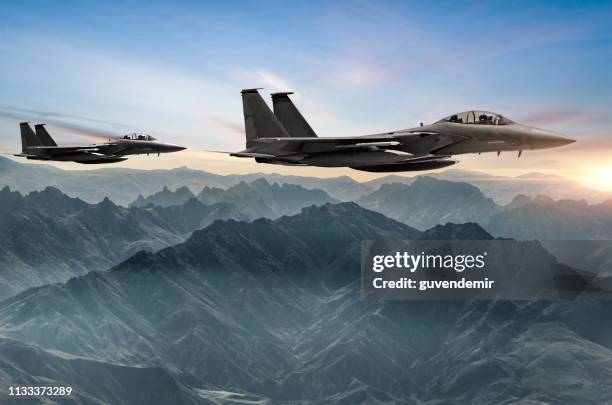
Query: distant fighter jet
284	137
40	146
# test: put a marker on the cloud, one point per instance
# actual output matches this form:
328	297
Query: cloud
373	44
54	114
74	129
231	126
364	76
111	90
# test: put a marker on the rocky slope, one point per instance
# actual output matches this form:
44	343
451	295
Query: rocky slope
272	310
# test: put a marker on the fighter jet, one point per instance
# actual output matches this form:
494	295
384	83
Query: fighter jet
40	146
284	137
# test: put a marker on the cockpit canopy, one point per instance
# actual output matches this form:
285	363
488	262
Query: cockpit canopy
138	137
478	117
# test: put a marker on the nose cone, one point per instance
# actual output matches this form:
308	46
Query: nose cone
169	147
543	139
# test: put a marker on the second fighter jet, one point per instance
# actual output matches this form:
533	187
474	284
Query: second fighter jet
284	137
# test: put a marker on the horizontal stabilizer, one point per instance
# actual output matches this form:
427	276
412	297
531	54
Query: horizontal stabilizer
21	154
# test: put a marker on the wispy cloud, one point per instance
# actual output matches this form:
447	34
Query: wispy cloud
74	129
270	80
228	125
54	114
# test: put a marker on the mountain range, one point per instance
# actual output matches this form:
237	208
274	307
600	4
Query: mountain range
51	237
123	186
429	201
188	298
46	236
256	199
271	310
423	204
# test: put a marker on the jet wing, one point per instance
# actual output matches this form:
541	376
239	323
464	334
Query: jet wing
65	150
389	140
388	136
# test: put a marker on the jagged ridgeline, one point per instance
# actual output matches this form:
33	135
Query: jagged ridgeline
73	237
48	237
271	310
123	186
256	199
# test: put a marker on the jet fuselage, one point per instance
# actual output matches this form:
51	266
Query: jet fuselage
40	146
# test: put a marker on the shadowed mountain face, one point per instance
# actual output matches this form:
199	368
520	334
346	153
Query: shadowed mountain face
97	382
273	309
258	199
47	236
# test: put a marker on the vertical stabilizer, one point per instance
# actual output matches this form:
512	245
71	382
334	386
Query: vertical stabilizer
28	137
290	116
43	135
259	120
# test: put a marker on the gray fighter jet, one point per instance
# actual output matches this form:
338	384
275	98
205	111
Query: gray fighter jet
284	137
40	146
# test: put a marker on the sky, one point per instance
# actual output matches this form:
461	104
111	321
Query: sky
174	70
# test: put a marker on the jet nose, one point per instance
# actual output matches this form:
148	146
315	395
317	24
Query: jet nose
168	147
543	139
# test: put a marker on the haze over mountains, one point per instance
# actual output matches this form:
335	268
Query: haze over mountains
428	202
503	189
123	186
423	203
66	236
